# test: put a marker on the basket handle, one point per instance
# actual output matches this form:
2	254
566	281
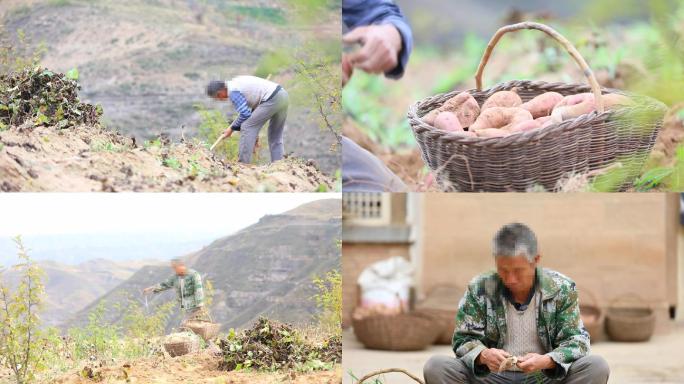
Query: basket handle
565	43
629	295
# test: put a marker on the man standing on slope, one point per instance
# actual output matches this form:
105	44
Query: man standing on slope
257	101
188	284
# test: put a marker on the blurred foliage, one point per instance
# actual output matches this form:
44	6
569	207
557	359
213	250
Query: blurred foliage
314	79
21	336
472	50
329	301
367	100
213	123
18	52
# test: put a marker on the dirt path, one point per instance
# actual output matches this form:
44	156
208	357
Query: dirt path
201	368
95	159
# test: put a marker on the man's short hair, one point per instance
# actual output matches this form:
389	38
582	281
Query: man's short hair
513	240
214	87
177	261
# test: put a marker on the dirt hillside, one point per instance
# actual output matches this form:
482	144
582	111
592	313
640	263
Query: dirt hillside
94	159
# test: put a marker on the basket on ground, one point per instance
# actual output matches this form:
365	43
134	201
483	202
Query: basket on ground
179	344
207	330
540	157
592	315
630	324
403	332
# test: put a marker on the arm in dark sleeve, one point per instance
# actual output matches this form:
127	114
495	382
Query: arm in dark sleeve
240	104
357	13
163	286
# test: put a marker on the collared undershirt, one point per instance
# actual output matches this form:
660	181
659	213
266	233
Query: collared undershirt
241	107
521	306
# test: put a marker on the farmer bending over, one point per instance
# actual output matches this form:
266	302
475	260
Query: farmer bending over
520	310
188	284
257	101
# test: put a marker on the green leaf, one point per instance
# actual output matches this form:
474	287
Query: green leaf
72	74
652	178
41	119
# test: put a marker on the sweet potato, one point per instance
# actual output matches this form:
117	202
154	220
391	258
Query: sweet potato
502	99
575	99
610	101
524	126
499	117
543	104
466	133
448	121
492	132
464	105
545	121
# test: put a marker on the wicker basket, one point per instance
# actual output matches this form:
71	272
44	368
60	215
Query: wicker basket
441	303
588	143
593	316
630	320
445	321
404	332
182	344
204	329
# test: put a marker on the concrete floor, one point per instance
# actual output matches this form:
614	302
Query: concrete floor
660	360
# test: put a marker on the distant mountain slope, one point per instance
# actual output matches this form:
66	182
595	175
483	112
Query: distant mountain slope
70	288
264	269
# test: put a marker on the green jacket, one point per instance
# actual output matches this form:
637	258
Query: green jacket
188	289
481	321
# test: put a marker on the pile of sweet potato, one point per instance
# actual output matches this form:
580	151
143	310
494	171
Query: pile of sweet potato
504	112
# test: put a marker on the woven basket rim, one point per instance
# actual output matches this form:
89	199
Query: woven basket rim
532	135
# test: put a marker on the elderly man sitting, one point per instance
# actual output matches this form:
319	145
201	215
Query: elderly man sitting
519	324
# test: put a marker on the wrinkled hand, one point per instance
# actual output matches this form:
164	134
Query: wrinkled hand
148	290
533	362
381	45
347	69
492	358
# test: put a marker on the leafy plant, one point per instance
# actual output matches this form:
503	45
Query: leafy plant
98	339
172	162
20	335
106	146
329	300
212	125
18	52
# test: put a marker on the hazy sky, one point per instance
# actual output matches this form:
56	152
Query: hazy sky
73	228
96	213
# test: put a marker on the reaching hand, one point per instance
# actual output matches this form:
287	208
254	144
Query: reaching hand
381	45
492	358
148	290
347	69
533	362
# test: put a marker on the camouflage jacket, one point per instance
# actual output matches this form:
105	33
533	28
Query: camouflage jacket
188	289
481	321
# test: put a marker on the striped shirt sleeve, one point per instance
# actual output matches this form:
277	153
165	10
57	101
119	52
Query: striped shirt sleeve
241	107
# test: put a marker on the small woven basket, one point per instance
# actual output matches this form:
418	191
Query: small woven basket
524	160
445	320
207	330
441	304
592	317
632	323
181	345
403	332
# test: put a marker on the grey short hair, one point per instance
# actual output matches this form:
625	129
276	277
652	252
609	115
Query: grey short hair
177	261
513	240
214	87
